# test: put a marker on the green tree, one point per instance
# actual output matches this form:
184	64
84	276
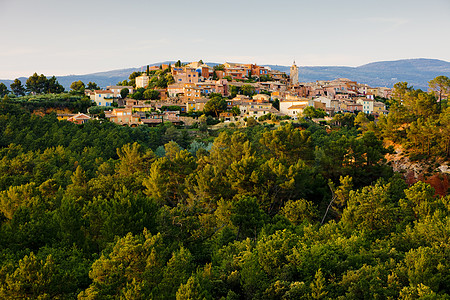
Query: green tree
251	122
134	262
288	143
166	182
134	75
36	84
34	279
276	104
134	160
420	201
53	86
215	106
312	112
346	119
137	95
247	217
150	94
318	288
371	209
440	85
214	76
78	86
193	289
236	111
444	138
401	89
17	88
299	211
124	93
93	86
248	90
177	272
15	197
361	121
3	90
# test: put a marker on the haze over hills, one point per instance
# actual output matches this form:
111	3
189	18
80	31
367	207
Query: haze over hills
417	72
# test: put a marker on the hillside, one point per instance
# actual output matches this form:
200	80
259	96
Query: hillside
417	72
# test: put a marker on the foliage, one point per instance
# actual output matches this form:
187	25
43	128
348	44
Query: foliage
311	112
124	93
17	88
440	85
151	94
100	211
418	120
92	86
3	90
215	105
39	84
78	87
248	90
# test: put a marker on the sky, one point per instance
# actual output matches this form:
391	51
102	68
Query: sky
56	37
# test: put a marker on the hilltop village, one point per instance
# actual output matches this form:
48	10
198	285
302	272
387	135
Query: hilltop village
234	91
255	195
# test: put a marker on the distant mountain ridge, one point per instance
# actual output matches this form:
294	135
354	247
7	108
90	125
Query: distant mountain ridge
417	72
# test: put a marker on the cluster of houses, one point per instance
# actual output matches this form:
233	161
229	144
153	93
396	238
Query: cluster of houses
339	95
195	81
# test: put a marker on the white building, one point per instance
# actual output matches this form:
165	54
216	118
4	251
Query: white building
286	106
117	88
255	109
141	81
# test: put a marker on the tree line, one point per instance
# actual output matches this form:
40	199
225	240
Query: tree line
102	211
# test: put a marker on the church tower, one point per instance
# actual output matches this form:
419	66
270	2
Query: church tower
293	75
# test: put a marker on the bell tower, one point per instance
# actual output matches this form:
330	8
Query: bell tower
293	75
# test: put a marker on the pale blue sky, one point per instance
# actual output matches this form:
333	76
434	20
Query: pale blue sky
57	37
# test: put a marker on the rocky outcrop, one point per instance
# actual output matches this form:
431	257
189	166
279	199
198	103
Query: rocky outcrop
436	173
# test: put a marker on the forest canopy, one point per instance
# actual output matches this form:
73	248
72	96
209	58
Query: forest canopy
100	211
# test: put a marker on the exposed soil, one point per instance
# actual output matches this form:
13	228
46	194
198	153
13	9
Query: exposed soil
436	173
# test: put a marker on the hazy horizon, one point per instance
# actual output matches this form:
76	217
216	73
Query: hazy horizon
153	63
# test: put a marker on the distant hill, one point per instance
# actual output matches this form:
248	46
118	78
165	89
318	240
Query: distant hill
417	72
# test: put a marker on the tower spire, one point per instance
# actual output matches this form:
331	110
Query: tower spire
293	75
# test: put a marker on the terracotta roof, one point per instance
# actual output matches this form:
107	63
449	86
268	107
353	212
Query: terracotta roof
103	92
81	116
142	106
119	87
298	106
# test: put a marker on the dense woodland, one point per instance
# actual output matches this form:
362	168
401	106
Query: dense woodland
100	211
